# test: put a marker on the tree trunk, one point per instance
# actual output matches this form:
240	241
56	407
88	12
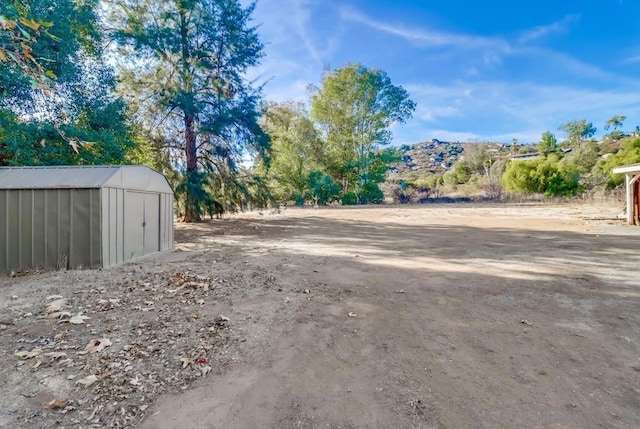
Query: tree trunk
191	205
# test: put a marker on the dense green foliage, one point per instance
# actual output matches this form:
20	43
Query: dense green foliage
577	131
191	61
629	154
546	176
555	170
296	152
65	113
548	143
354	110
334	153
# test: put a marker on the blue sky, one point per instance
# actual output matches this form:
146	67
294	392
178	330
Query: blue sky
478	70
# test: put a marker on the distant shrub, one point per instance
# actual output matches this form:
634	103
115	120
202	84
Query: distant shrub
549	176
370	194
349	199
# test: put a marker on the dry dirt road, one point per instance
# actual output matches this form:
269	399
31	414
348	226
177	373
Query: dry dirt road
453	316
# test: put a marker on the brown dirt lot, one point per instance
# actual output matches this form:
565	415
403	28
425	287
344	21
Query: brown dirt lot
452	316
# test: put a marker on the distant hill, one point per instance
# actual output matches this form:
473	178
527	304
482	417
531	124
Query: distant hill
434	157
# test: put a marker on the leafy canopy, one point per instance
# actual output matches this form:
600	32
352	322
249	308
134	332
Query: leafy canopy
354	109
188	83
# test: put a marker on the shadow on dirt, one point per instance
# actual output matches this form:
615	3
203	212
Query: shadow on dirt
505	327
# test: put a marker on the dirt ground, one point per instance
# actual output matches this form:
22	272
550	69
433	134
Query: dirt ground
447	316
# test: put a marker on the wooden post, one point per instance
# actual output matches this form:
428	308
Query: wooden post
629	190
631	198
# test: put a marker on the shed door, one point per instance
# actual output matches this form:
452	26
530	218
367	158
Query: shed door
142	224
134	225
151	223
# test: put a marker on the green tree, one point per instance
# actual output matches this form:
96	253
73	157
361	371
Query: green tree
629	154
583	157
355	108
77	119
577	131
322	188
616	123
191	58
478	158
548	143
296	150
19	32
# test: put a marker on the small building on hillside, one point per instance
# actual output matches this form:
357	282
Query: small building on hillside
82	217
632	173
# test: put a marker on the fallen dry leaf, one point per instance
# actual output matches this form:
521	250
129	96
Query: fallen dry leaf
78	319
56	355
52	297
97	345
56	404
28	354
66	362
87	381
74	144
20	273
59	315
61	336
55	306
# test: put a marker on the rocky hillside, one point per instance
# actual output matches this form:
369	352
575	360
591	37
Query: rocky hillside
434	157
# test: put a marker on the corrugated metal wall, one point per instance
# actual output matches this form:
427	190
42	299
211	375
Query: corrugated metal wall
82	217
112	226
166	222
50	228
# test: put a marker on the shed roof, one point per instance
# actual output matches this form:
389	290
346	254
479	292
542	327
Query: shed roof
136	177
633	168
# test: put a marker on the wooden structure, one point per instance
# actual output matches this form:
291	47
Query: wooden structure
632	173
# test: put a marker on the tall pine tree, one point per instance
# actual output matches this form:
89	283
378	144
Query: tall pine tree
187	61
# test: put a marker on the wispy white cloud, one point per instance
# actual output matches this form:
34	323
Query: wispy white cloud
480	87
565	64
634	59
544	30
295	48
431	38
301	16
501	110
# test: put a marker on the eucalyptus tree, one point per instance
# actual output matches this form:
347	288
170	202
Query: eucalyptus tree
355	108
615	122
186	62
578	131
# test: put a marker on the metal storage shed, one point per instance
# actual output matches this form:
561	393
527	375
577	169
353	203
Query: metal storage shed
82	217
